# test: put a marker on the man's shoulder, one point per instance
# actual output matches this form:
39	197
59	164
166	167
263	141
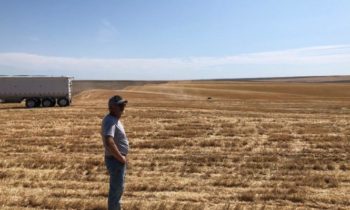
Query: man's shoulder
109	119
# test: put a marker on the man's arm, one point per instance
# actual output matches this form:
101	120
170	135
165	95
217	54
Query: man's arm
114	149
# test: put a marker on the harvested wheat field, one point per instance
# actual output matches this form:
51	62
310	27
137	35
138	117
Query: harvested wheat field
194	145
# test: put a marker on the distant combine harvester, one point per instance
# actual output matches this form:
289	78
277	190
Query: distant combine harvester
36	90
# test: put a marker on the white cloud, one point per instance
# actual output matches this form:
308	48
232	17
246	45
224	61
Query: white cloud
330	56
312	55
33	38
107	32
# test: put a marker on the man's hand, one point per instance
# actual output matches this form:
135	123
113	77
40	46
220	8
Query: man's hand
124	160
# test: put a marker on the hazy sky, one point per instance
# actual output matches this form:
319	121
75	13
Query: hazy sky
174	39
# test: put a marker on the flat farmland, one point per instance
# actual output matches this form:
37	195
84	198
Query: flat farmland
194	145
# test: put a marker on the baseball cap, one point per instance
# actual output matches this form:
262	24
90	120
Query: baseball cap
116	100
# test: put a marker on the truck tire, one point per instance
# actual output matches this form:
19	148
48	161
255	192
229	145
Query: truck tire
47	102
53	102
37	102
63	102
31	103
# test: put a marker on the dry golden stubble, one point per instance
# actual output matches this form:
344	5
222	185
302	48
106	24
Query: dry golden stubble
249	146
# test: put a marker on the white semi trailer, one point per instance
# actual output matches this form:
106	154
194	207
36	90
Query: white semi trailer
36	91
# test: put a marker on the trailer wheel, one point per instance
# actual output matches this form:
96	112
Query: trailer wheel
53	100
37	102
31	103
47	102
63	102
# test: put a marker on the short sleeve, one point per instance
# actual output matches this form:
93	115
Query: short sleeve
108	128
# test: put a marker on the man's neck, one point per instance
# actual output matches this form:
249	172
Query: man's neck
114	115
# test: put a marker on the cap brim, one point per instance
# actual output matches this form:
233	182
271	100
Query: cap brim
122	102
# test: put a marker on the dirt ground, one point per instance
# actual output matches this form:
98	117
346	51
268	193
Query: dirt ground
193	145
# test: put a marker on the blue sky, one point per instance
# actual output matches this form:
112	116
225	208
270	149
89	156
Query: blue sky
174	39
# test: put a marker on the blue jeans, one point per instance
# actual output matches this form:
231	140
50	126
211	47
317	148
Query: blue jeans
116	182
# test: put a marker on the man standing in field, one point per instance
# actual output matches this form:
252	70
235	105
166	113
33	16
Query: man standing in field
116	148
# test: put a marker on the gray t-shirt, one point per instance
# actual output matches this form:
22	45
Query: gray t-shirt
111	126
